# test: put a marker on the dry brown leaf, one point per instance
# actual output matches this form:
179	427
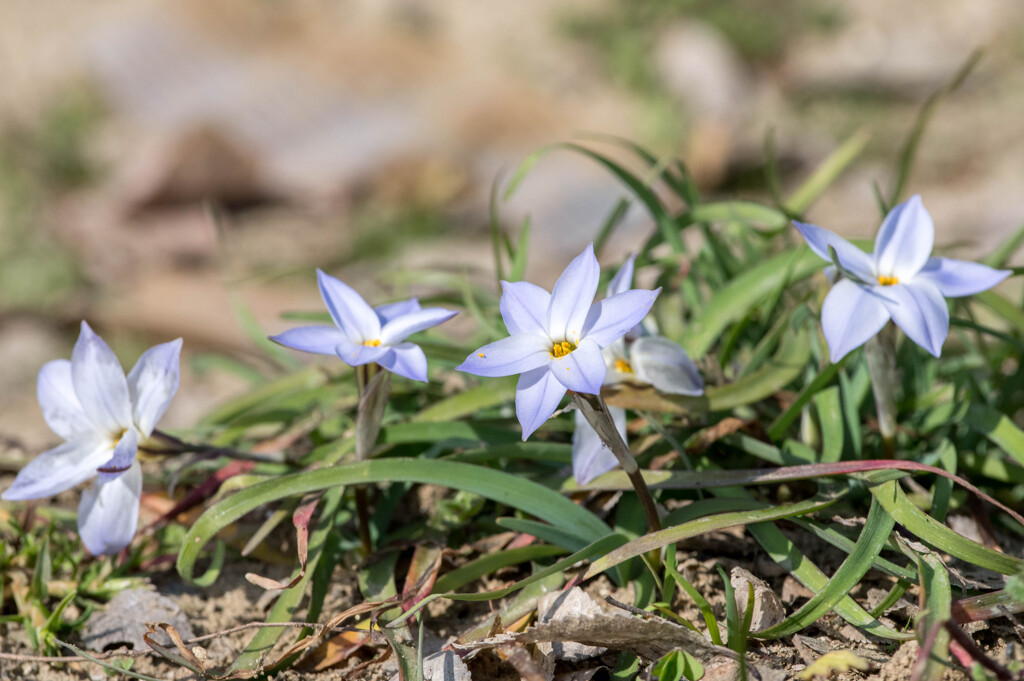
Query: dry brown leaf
649	639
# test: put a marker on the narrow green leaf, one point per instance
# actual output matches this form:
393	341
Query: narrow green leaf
932	532
486	564
827	172
876	530
733	301
909	152
496	391
938	600
998	428
671	535
597	548
504	488
555	535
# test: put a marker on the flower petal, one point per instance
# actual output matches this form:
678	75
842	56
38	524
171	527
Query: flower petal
665	365
109	512
399	328
614	353
350	312
583	369
320	339
58	469
61	408
390	311
610	319
122	459
850	316
524	307
357	354
512	355
955	278
850	257
590	456
571	297
921	312
623	279
905	239
405	359
537	396
152	383
100	383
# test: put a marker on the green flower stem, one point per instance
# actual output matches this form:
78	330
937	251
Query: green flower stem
881	355
595	410
374	386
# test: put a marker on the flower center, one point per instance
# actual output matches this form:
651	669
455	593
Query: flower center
562	349
372	343
623	367
118	435
887	281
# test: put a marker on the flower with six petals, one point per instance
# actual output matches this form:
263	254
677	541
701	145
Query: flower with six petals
102	415
363	334
899	281
556	338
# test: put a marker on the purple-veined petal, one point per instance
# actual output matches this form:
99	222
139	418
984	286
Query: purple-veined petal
850	316
61	408
610	319
357	354
350	312
512	355
390	311
905	239
59	469
590	456
109	512
122	459
100	383
399	328
955	278
406	359
524	307
582	370
665	365
850	257
319	339
572	296
152	383
623	279
537	396
921	312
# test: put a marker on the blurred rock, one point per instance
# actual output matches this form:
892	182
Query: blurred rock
699	67
125	618
200	164
904	49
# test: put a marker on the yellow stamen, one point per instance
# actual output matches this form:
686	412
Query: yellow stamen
887	281
562	349
481	355
623	367
371	343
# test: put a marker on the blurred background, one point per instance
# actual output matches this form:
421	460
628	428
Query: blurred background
179	168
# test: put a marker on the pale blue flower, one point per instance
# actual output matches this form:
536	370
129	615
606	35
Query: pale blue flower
102	415
363	334
899	281
638	357
556	338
